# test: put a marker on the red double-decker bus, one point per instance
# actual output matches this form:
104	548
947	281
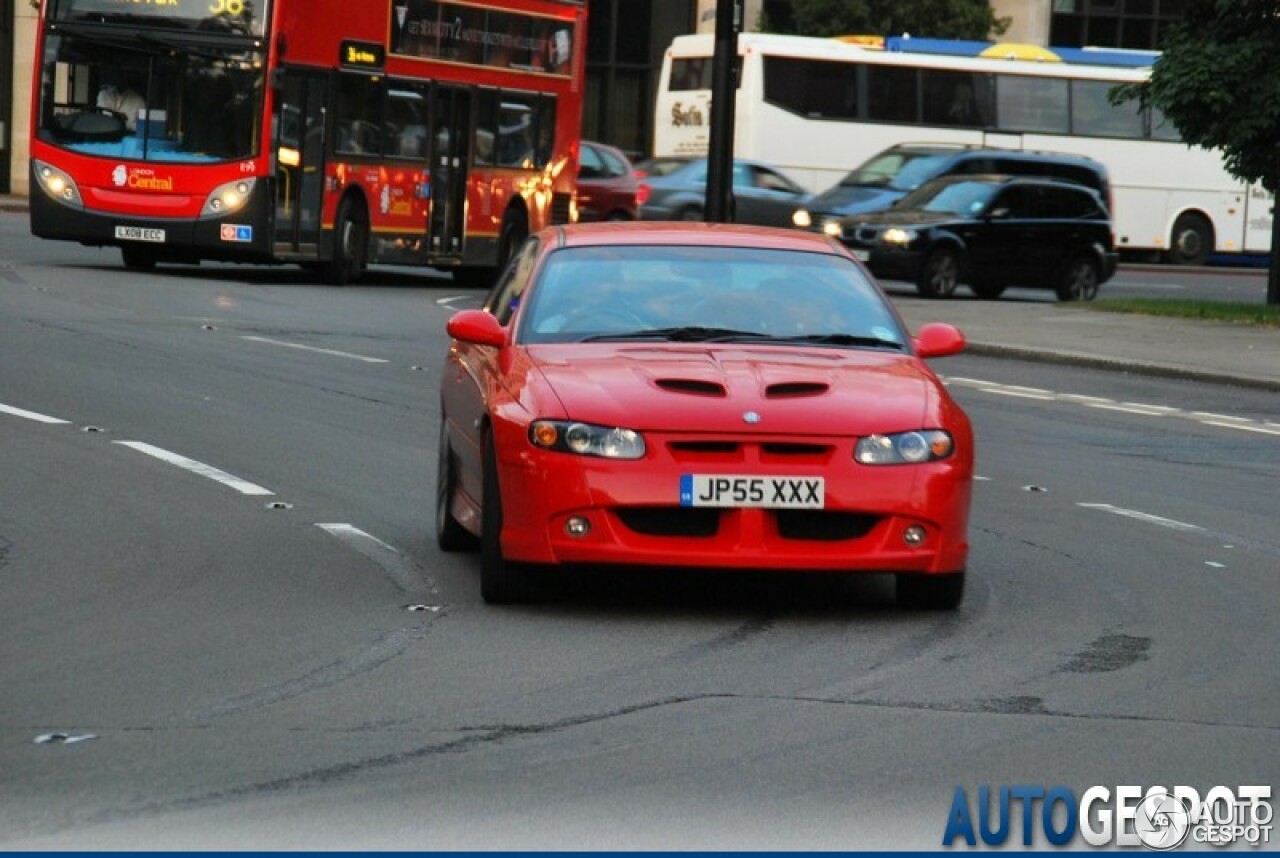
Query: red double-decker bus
328	133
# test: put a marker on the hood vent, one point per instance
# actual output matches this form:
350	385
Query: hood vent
692	385
796	388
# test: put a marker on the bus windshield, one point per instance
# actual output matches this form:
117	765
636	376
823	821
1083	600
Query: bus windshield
236	17
139	99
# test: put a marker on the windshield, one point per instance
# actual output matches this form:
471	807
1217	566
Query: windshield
238	17
141	98
721	294
967	197
902	171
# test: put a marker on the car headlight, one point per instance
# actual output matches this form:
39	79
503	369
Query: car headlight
801	219
894	235
832	228
58	185
228	198
904	448
584	439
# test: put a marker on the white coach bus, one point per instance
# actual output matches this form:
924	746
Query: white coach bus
817	108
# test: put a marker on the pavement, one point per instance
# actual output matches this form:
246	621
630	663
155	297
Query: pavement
1044	330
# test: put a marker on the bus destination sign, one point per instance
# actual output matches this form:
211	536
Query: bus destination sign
238	17
480	36
361	55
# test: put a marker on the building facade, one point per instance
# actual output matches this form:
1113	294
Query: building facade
626	42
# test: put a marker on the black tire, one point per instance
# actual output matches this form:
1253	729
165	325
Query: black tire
987	290
501	581
929	592
940	274
1079	280
1192	240
450	535
350	244
137	258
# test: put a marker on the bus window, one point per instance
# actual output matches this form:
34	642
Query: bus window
955	98
690	74
892	94
1032	104
359	128
812	88
1093	115
407	120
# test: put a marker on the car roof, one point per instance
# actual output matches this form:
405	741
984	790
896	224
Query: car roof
961	151
691	234
1006	179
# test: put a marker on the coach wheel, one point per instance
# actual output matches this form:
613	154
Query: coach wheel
501	581
940	274
450	535
138	258
350	244
929	592
1079	280
1192	240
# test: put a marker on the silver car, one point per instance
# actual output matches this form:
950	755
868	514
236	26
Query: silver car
762	195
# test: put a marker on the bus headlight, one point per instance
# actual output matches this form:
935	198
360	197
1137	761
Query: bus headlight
58	185
801	219
228	198
894	235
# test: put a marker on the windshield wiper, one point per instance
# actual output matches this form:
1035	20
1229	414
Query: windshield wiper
843	340
684	334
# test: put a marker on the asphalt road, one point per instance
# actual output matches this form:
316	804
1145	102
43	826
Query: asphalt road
303	669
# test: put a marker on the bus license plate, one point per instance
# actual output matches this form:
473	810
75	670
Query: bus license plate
137	233
731	490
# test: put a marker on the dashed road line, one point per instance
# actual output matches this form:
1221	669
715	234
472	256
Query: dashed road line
333	352
31	415
1170	523
1243	426
243	486
402	571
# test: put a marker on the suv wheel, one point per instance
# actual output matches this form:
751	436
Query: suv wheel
1079	280
940	274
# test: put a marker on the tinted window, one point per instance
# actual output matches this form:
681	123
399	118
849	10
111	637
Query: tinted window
590	165
690	74
893	94
956	98
813	88
1092	114
1066	203
966	198
1032	104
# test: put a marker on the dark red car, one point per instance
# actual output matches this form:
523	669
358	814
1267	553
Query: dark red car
608	188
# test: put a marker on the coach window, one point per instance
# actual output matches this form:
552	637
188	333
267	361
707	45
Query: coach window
1032	104
956	98
812	88
359	120
1161	127
893	94
1093	115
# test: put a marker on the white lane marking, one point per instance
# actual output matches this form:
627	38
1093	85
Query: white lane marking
444	302
1244	426
401	569
243	486
1215	565
1077	397
30	415
1170	523
1019	393
1214	416
1130	408
333	352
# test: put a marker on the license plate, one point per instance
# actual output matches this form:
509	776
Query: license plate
138	233
732	490
862	255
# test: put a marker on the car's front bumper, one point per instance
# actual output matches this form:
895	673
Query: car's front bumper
635	516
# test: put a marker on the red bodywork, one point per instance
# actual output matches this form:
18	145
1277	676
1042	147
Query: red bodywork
608	188
814	403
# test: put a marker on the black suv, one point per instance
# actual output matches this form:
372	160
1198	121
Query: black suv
892	174
989	232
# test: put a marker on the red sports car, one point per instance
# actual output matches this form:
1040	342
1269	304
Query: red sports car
692	395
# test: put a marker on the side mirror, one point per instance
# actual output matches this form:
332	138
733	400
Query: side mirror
937	339
476	327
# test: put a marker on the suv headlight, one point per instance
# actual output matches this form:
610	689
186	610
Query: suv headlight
904	448
895	235
584	439
832	228
228	198
801	218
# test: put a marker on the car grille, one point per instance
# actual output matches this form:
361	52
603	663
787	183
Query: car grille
823	524
726	450
814	525
670	520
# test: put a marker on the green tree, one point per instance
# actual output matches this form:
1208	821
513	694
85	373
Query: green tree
936	19
1218	82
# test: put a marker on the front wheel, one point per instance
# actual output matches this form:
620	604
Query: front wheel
930	592
940	274
501	581
1079	280
1192	240
450	535
350	245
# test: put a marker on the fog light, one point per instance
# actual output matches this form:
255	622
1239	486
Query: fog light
577	526
913	535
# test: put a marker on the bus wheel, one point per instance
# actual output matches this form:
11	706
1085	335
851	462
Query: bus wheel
1192	240
138	258
940	274
350	244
